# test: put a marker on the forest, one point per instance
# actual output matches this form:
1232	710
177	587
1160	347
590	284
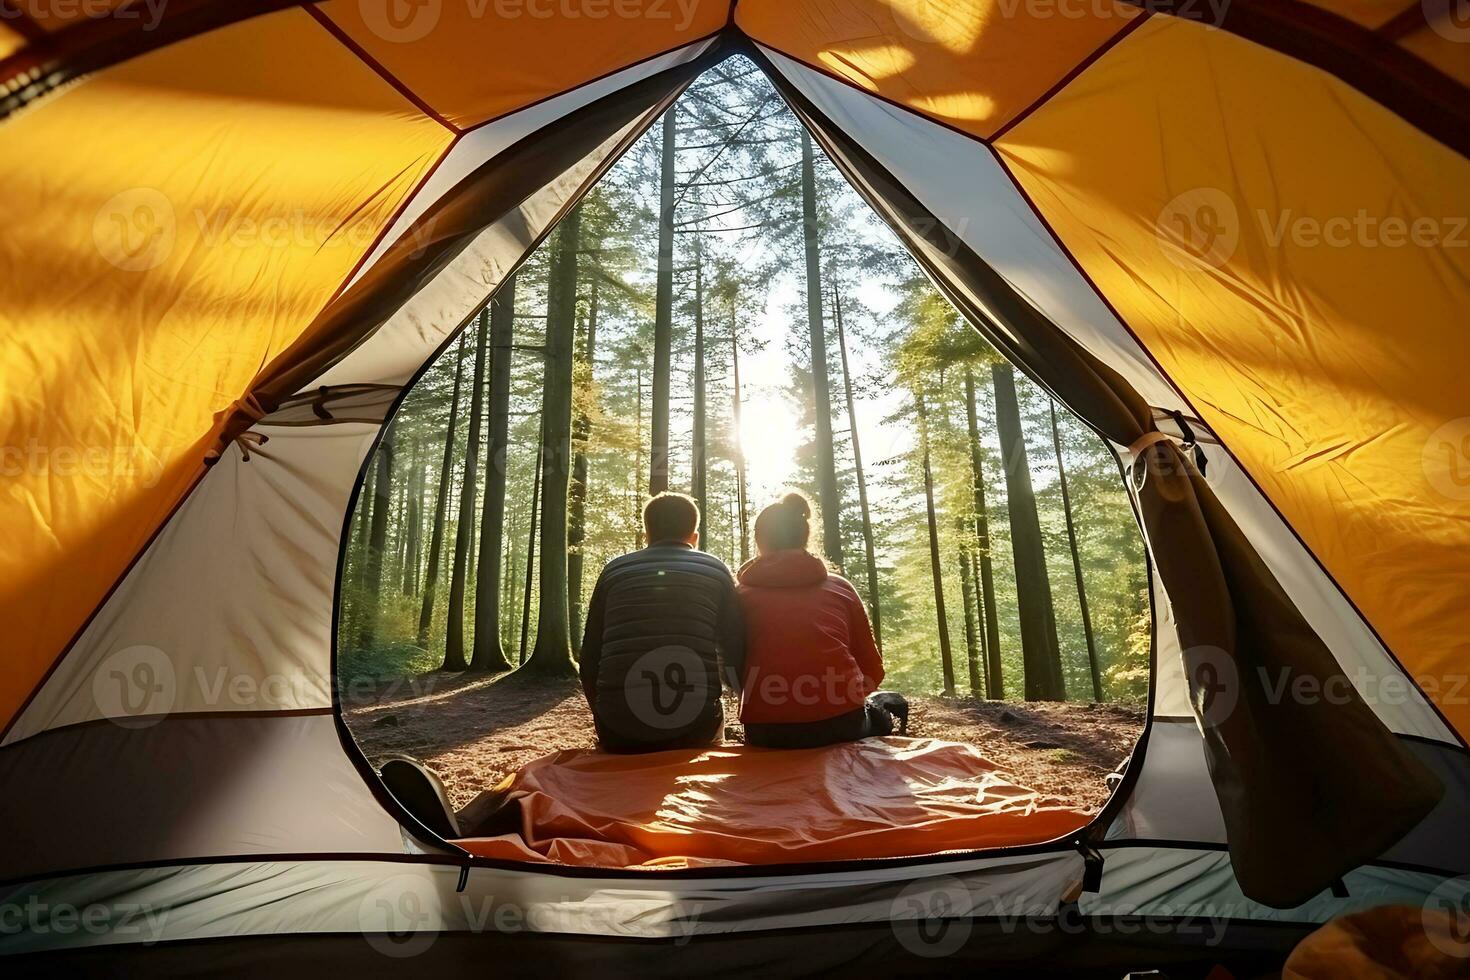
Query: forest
723	315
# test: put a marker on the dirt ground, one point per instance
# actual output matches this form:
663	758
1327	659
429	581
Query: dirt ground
475	730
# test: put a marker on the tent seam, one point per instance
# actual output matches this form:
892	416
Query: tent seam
378	68
1067	79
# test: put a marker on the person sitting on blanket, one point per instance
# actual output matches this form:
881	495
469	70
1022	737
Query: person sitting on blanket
661	623
811	667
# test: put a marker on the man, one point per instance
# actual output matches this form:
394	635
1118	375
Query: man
661	625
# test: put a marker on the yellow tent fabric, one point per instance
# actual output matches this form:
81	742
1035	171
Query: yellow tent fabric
1314	313
295	137
972	64
247	173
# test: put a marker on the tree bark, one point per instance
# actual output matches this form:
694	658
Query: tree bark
875	602
967	595
827	494
552	653
699	457
663	319
980	620
489	652
400	528
531	535
377	542
638	428
994	681
946	655
364	524
454	645
1039	651
441	498
577	521
742	491
414	520
1056	437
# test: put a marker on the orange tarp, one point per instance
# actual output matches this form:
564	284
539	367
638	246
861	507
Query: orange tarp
889	797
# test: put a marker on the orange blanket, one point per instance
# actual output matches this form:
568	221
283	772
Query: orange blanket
887	797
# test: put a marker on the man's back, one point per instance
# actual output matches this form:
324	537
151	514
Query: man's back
659	625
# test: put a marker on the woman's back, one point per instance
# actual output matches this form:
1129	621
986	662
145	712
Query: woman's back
810	654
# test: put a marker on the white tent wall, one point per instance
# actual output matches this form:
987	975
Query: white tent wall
231	605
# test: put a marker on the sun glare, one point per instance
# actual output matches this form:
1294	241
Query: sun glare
769	437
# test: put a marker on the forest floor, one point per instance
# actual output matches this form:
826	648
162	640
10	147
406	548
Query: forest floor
475	730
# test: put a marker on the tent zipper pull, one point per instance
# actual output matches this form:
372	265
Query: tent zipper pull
464	878
1092	867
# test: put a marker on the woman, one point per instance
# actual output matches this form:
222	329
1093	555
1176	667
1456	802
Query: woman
810	660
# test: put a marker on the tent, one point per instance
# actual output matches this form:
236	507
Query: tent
1231	238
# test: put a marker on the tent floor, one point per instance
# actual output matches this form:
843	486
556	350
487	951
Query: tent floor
868	951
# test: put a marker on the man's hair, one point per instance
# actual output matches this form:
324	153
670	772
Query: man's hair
670	517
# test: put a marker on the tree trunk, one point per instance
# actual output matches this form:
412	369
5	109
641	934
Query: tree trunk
441	498
967	595
821	389
400	529
946	655
489	652
531	548
663	318
875	603
699	457
364	525
638	428
1039	651
742	490
995	687
552	653
454	645
415	519
980	621
377	543
577	521
1056	436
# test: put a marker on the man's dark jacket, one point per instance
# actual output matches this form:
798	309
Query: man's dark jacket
661	624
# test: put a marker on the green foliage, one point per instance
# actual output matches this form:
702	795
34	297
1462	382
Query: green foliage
739	197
